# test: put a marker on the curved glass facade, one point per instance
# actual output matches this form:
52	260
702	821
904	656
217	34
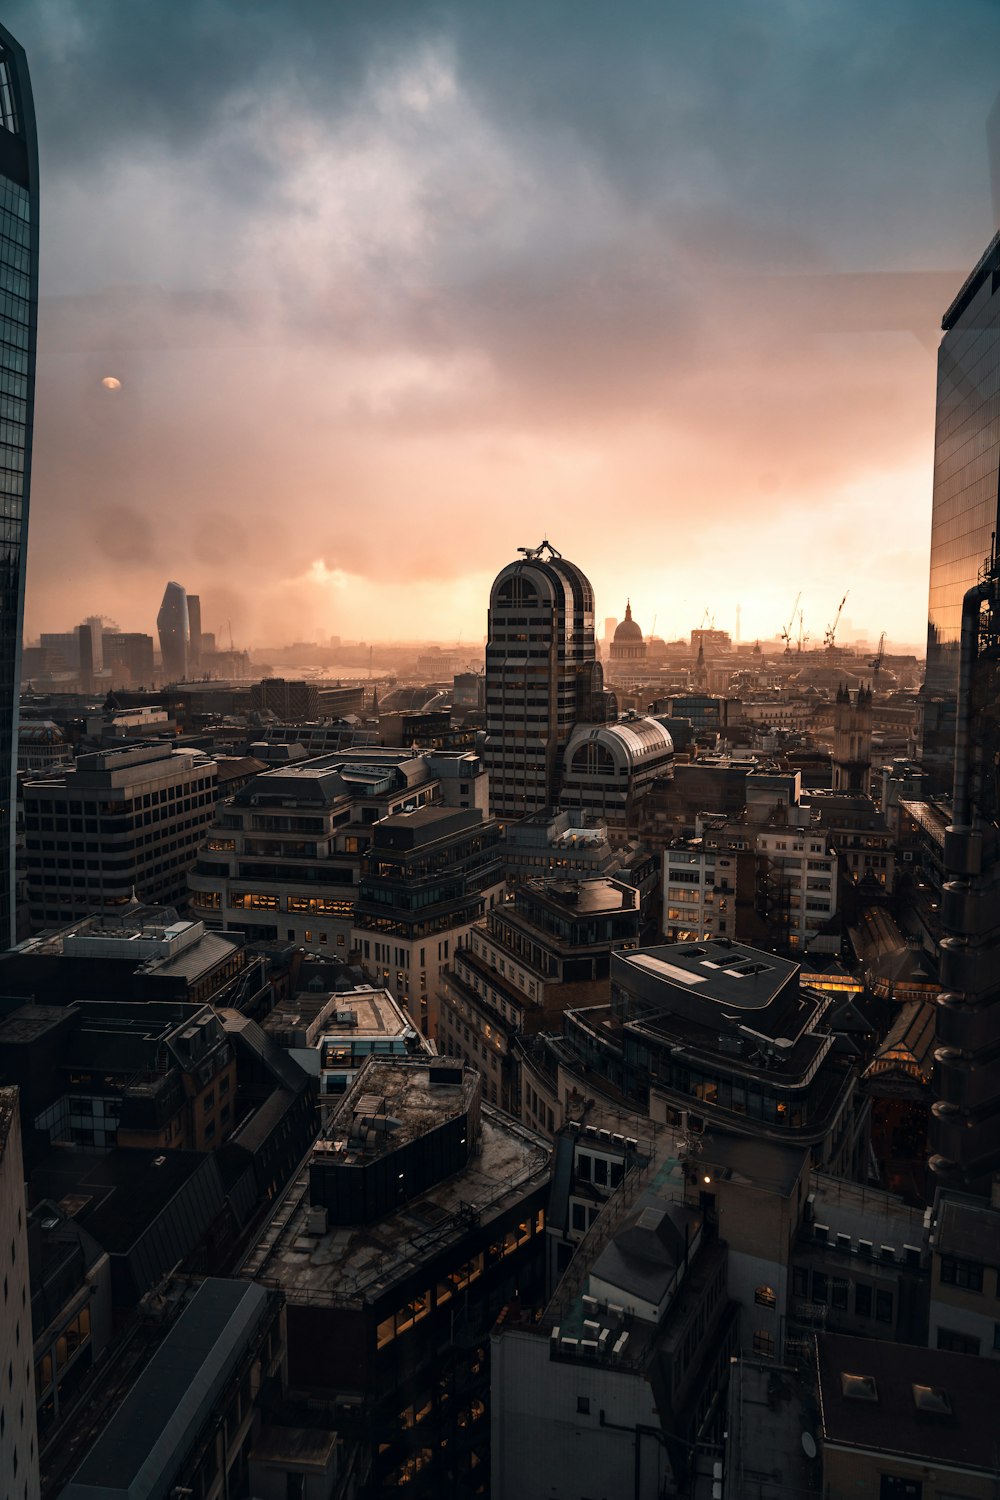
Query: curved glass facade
18	324
966	484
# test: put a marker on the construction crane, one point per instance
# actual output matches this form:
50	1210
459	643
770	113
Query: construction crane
829	639
786	634
803	634
877	660
707	619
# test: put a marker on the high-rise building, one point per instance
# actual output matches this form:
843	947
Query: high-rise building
174	629
194	629
542	677
128	656
18	1440
18	325
966	482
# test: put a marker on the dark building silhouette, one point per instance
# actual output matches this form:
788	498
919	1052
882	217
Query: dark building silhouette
174	629
18	327
966	479
194	630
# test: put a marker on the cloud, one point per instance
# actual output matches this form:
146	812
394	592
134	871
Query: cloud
388	286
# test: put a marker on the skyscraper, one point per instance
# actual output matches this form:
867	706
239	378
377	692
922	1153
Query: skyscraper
541	671
175	633
966	484
961	739
18	326
194	630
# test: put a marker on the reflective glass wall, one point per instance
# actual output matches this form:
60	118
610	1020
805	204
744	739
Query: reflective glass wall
18	320
966	477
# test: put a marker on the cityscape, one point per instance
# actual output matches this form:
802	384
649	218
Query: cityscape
500	893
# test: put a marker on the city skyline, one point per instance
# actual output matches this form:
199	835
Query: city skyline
435	279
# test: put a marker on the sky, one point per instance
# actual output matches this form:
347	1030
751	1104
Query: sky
391	290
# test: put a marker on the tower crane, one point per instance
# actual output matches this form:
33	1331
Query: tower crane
786	634
878	659
830	637
803	634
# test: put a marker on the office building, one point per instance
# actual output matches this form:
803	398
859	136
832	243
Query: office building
725	1036
329	1033
611	770
429	874
903	1423
174	629
128	657
526	963
291	702
418	1216
114	825
19	267
194	630
283	859
542	677
965	517
188	1423
965	1119
965	1273
614	1388
18	1432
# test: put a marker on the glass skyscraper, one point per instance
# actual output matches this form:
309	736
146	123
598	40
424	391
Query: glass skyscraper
18	325
174	629
966	486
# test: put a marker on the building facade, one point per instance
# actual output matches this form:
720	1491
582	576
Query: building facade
115	824
174	629
964	518
18	1435
18	326
542	677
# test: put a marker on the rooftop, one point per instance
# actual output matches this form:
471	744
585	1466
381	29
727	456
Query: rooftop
357	1264
139	1452
923	1404
717	970
967	1227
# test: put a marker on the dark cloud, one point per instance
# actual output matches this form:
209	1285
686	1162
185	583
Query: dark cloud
381	281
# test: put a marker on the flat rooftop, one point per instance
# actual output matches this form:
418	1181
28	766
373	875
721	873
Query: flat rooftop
730	974
353	1265
596	895
416	1097
967	1227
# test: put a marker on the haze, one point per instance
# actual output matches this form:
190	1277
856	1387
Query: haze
391	290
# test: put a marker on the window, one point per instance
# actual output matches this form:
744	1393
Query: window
838	1295
579	1216
583	1406
883	1307
819	1286
958	1343
863	1300
893	1487
763	1343
967	1274
764	1296
800	1281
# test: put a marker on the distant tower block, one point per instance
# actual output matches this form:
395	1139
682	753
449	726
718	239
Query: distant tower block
852	740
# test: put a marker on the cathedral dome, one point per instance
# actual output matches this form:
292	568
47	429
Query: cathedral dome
628	630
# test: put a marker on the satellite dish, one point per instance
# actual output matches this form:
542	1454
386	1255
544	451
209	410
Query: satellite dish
808	1445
